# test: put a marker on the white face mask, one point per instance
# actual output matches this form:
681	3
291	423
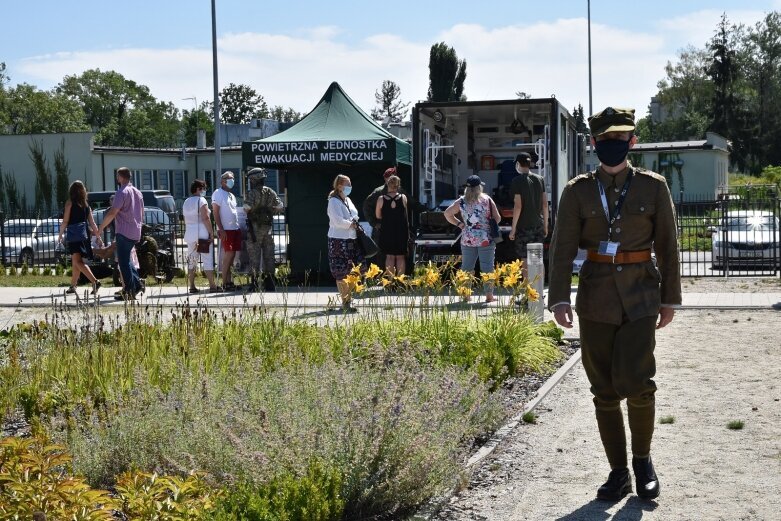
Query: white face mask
229	183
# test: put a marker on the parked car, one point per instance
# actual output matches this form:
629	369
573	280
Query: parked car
152	198
164	235
30	241
747	238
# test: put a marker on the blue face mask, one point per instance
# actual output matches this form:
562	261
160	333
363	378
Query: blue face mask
612	152
347	190
229	183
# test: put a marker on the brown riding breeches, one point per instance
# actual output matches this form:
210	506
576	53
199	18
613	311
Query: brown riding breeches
619	362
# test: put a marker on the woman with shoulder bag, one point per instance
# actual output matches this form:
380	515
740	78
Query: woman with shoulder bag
344	251
199	236
77	222
477	210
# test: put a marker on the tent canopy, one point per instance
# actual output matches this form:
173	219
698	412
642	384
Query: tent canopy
337	131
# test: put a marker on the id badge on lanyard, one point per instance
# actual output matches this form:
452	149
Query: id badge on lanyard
609	247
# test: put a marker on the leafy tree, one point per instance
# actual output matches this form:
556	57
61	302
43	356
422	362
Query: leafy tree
447	74
198	119
722	72
62	174
388	103
28	110
43	177
241	104
285	115
122	112
580	120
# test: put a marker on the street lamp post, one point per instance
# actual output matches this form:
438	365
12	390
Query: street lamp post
590	101
217	144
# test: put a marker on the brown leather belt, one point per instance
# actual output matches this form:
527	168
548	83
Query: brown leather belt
622	257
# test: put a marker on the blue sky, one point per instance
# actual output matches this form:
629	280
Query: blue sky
290	51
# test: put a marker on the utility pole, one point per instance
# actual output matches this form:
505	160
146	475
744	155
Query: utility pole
217	151
590	100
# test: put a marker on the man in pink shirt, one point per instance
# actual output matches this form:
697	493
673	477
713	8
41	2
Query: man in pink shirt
127	212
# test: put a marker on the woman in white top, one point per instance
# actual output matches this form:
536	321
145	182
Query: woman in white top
344	251
198	225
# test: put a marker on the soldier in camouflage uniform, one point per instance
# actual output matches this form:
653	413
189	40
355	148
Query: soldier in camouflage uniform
619	213
261	204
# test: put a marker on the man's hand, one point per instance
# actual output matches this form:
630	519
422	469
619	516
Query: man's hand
563	315
666	315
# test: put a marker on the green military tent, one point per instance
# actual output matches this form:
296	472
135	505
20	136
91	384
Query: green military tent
336	137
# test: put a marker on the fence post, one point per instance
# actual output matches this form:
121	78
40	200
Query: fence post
2	239
536	279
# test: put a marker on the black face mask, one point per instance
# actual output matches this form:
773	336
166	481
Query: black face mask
612	152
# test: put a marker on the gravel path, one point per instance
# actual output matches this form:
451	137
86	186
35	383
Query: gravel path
712	367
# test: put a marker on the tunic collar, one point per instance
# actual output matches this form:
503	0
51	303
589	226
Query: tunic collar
620	178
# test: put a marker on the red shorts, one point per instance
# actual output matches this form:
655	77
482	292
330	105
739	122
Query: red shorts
232	240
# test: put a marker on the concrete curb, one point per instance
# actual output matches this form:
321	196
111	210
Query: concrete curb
430	510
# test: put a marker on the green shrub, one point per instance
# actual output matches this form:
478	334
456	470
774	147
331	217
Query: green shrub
47	271
25	269
59	270
736	425
35	479
393	428
315	496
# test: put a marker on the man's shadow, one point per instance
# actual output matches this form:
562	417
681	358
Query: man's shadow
596	510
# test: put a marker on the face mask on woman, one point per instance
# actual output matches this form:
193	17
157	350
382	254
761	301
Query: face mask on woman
229	183
346	190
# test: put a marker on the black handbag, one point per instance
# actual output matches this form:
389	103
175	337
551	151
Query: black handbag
366	243
493	227
76	232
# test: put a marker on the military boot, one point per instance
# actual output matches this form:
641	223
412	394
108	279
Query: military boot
268	283
617	485
645	477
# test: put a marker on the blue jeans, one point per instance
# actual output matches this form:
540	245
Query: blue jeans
130	279
470	254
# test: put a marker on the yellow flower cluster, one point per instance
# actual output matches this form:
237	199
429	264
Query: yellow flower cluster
354	280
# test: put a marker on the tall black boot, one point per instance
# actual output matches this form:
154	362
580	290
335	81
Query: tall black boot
617	485
268	283
645	477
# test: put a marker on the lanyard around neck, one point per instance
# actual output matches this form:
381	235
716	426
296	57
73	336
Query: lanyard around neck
615	214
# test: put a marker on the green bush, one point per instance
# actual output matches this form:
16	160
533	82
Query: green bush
25	269
59	270
47	271
315	496
396	430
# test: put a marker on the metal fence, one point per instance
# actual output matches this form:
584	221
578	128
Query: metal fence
736	235
34	241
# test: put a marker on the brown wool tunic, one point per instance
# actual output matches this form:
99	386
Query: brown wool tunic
614	293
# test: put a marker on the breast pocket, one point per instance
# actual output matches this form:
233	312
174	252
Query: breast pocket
640	208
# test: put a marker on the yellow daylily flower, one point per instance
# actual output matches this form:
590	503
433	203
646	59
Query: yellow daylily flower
385	281
532	294
373	271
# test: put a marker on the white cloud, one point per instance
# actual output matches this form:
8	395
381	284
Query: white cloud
294	70
698	28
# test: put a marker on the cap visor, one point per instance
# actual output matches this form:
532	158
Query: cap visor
617	128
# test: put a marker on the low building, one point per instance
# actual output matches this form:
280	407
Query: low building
170	169
695	170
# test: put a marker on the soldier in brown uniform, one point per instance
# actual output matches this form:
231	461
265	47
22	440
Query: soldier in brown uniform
619	213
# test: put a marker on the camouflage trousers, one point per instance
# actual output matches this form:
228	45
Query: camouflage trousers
261	250
525	237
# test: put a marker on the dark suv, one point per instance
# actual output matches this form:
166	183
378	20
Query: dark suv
158	198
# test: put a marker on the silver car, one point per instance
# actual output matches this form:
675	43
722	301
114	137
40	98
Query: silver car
30	241
747	238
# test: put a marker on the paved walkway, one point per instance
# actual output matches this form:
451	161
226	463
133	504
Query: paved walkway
318	298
